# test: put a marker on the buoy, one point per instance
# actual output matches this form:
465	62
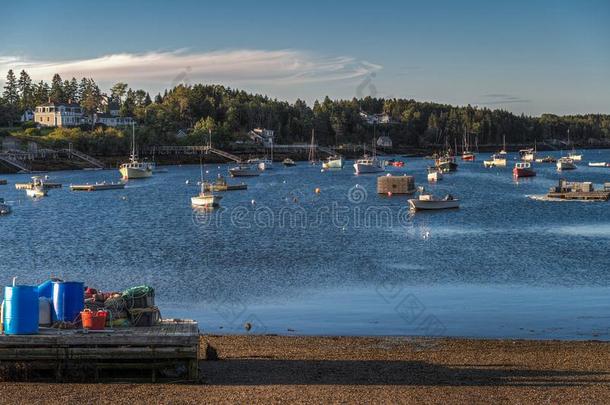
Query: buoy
389	194
321	170
253	202
247	326
207	172
186	182
284	182
317	191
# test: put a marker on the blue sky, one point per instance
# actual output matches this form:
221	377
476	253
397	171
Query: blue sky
524	56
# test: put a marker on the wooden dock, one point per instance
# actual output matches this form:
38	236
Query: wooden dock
97	187
163	353
29	186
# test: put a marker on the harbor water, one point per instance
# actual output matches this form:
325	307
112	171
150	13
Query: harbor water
344	261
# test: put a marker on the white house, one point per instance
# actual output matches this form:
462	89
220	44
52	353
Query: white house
111	120
373	119
262	136
59	115
384	141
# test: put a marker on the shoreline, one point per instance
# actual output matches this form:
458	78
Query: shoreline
113	162
251	368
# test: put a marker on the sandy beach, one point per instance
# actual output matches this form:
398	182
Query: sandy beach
250	369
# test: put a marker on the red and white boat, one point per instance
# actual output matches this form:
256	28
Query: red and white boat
523	169
468	156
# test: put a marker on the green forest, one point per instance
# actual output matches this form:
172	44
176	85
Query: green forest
231	113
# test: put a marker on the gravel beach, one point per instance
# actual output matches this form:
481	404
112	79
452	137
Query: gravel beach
252	369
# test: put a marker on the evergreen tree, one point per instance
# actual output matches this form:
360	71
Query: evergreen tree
25	91
57	90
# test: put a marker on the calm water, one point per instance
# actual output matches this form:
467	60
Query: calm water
344	261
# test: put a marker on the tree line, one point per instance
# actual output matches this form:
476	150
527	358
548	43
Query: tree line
231	113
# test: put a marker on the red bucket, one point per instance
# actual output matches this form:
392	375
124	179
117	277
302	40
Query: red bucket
94	320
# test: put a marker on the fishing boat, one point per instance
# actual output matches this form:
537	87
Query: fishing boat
523	169
599	164
333	162
565	163
221	185
37	188
467	155
97	186
262	164
288	162
5	209
434	174
243	170
135	168
503	151
528	155
426	201
496	160
576	157
446	164
368	165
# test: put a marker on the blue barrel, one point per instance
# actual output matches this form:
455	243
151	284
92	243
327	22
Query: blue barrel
21	310
68	300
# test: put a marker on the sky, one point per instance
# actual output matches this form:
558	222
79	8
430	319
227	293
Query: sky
528	57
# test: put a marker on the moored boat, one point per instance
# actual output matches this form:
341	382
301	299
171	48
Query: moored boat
434	174
599	164
468	156
288	162
446	164
221	185
577	157
135	168
368	165
496	160
528	155
547	159
523	169
333	162
565	164
243	171
97	186
37	188
427	201
206	199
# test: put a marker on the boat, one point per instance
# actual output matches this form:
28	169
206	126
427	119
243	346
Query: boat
368	165
97	186
446	164
547	159
37	188
434	174
503	151
333	162
576	157
312	149
262	164
243	170
599	164
427	201
288	162
467	155
3	182
565	163
523	169
135	169
528	155
205	199
5	209
496	160
221	185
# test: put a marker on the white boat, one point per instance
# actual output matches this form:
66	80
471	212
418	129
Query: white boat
243	171
37	188
368	165
496	160
577	157
206	199
428	202
435	176
288	162
599	164
5	209
333	162
135	169
265	164
565	164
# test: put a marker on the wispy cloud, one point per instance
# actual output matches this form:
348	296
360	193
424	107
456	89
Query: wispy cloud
501	98
233	66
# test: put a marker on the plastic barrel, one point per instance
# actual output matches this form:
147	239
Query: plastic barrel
20	310
46	289
68	300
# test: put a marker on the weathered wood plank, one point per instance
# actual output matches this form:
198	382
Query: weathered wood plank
127	353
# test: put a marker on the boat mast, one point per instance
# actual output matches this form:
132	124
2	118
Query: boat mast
133	141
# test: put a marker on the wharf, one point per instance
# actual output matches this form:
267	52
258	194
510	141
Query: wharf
97	187
165	352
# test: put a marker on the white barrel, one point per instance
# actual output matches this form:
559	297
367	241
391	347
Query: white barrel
44	311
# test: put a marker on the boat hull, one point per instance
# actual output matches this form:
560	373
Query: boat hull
364	169
5	209
433	205
129	173
599	164
565	166
206	201
523	173
243	173
333	164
